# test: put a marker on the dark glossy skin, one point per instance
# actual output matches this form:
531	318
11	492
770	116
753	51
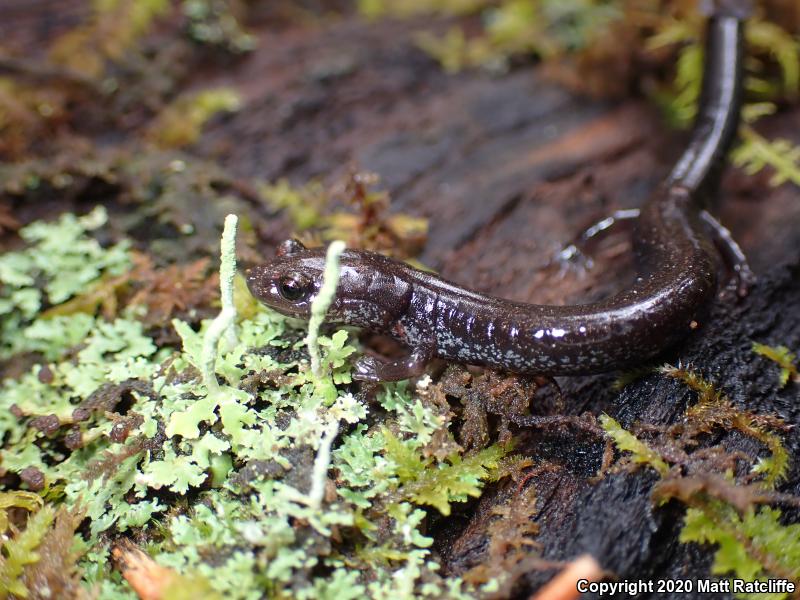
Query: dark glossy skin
674	241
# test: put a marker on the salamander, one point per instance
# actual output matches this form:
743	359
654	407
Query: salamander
675	241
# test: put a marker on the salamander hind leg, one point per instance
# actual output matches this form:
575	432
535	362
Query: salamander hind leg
743	277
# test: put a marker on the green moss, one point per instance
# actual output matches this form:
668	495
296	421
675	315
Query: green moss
423	480
548	28
714	410
752	546
181	123
16	499
625	441
20	551
783	357
112	29
757	152
368	224
214	23
304	205
751	542
407	8
581	41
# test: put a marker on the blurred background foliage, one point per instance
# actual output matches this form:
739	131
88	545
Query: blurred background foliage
616	48
123	66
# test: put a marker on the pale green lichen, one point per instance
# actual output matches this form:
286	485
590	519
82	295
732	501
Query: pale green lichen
319	476
60	261
274	486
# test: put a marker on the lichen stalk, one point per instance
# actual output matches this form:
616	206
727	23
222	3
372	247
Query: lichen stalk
321	464
319	307
223	323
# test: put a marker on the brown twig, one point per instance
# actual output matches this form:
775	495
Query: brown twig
564	586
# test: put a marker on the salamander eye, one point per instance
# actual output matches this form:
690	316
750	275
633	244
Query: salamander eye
294	287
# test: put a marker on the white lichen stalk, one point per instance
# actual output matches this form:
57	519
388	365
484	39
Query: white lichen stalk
319	476
224	323
319	308
320	304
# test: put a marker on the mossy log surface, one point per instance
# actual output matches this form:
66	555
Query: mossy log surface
615	520
507	169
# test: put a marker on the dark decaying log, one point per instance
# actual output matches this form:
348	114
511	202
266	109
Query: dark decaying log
615	520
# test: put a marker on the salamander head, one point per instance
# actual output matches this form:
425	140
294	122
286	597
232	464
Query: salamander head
371	293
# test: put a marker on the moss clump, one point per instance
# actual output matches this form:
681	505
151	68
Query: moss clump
369	225
625	441
751	546
723	490
20	551
783	358
181	123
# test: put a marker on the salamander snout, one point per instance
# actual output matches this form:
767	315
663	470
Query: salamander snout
289	282
372	290
289	292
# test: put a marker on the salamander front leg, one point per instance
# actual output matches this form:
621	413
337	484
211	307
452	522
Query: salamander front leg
368	368
575	253
735	260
